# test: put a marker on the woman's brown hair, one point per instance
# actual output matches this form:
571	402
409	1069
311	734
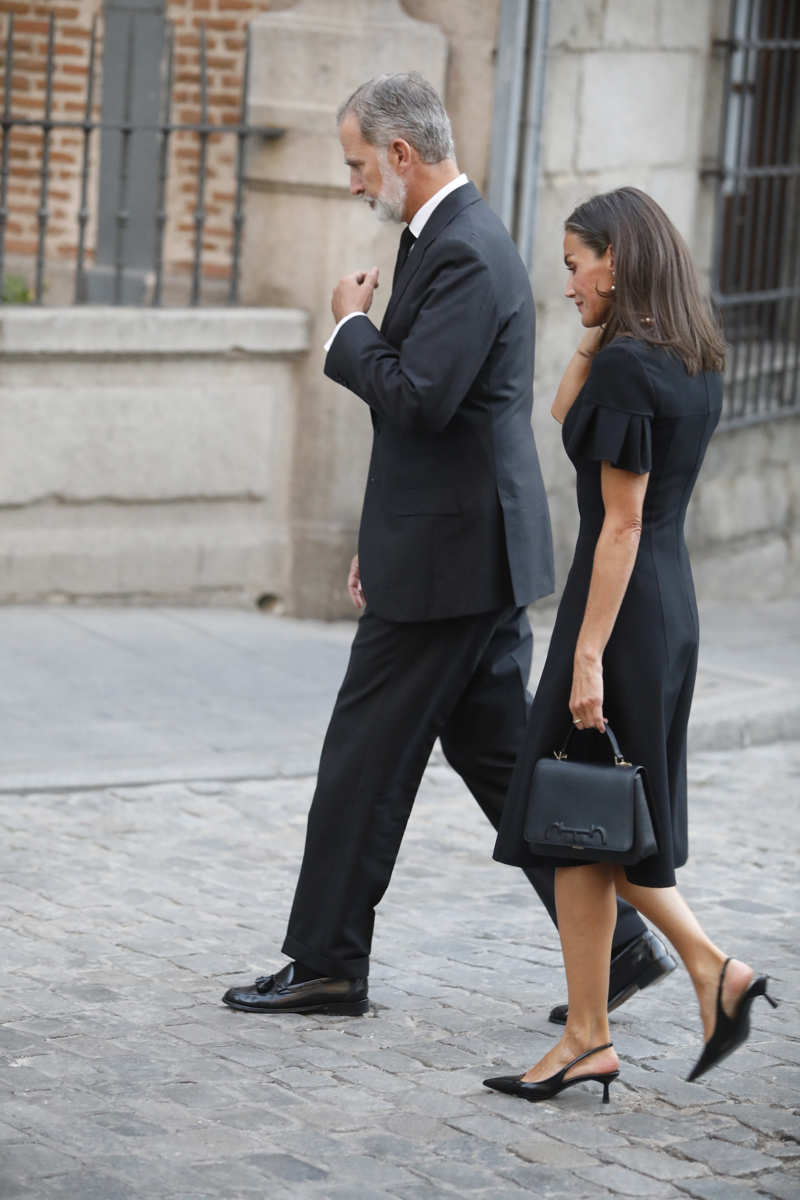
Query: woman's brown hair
656	296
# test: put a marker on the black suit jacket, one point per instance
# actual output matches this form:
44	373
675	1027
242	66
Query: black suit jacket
455	516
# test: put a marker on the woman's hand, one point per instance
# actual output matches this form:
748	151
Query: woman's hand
586	697
577	370
590	341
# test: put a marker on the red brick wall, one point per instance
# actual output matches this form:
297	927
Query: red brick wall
71	49
225	22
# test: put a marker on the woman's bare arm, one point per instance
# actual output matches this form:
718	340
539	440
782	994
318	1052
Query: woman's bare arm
574	377
614	558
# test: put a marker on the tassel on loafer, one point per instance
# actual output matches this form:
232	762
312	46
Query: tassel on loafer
730	1032
545	1089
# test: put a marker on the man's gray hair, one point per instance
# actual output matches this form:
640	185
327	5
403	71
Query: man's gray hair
402	106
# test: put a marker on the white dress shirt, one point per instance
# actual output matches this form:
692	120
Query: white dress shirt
416	225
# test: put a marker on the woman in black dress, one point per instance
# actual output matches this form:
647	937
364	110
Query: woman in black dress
639	402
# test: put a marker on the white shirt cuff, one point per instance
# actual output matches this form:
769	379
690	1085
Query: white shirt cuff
329	342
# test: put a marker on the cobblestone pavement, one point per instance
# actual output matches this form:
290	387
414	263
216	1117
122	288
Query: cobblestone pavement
128	907
127	911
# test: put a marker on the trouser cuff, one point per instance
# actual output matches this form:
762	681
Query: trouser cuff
336	968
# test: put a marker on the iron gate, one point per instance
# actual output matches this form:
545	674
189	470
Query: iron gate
126	128
756	261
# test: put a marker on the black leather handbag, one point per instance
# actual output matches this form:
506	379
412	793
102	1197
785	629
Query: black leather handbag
588	811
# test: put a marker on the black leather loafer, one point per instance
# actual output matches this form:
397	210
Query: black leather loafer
280	994
643	961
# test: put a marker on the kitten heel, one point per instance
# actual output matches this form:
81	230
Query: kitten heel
730	1032
545	1089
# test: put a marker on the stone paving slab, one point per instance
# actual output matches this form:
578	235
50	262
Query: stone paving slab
127	910
99	697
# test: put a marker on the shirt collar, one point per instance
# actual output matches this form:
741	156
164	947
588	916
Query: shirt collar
421	216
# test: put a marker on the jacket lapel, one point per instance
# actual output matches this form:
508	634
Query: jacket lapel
441	216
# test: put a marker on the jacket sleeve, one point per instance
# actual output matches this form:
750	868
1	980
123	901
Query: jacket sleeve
420	385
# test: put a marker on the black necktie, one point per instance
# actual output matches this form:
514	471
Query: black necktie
407	240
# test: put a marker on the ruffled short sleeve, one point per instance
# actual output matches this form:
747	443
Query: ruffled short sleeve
611	419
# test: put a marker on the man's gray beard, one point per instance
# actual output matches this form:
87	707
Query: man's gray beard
390	202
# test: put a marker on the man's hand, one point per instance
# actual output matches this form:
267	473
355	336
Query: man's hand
354	293
354	584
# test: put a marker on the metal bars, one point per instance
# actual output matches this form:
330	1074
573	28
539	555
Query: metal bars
6	150
166	127
126	129
756	261
241	147
163	170
43	215
83	210
199	211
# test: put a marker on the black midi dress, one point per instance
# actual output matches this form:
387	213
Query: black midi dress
639	410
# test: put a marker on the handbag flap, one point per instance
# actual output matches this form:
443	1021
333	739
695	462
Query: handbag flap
583	806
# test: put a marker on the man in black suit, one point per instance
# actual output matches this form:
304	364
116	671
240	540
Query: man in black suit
454	543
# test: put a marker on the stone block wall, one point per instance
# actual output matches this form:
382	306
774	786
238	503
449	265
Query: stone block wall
632	97
202	455
144	455
743	521
470	27
304	231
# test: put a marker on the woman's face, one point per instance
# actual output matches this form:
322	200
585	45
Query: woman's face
589	275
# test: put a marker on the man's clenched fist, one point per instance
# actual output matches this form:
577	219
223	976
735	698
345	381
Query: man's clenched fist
353	293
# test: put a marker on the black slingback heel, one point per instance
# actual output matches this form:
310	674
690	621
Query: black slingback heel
730	1032
544	1089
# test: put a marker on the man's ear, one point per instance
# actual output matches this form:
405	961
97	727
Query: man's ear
400	154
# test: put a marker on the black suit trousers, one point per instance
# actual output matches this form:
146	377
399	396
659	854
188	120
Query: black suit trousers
462	679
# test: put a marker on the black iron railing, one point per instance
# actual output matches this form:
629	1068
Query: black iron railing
756	260
126	128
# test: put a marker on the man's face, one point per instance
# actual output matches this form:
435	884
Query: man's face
372	176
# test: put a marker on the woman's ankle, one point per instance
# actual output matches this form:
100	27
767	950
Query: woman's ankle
705	965
582	1035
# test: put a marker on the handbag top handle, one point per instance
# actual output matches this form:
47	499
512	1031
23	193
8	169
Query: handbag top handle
619	757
